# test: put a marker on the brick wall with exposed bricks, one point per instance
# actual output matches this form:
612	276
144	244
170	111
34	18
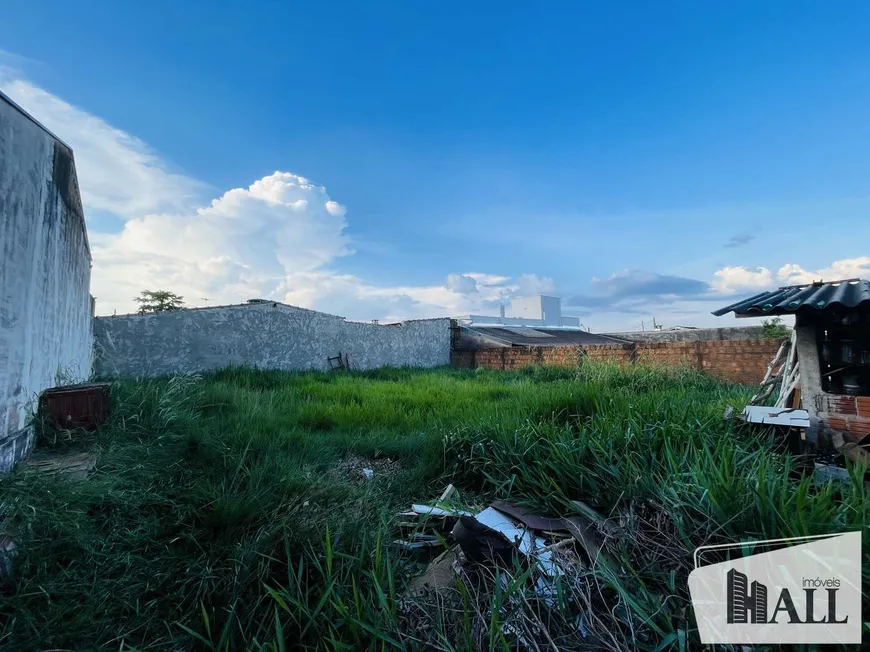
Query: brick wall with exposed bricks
741	361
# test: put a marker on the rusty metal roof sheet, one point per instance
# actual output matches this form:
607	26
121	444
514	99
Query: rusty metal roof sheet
848	293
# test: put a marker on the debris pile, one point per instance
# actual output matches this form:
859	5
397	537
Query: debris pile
537	563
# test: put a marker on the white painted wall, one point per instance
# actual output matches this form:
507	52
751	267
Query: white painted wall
526	308
45	307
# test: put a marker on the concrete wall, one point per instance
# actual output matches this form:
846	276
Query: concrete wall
694	335
45	308
735	361
265	335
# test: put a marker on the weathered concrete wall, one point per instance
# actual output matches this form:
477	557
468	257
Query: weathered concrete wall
266	335
730	333
45	271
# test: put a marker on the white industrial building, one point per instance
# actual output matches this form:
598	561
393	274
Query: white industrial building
526	311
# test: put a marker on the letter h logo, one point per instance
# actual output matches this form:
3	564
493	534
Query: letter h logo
745	606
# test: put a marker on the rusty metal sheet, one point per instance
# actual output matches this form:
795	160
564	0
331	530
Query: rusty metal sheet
76	406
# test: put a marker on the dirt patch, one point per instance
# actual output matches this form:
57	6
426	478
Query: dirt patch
359	469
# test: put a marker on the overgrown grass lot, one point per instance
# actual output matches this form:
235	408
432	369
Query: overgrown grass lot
229	512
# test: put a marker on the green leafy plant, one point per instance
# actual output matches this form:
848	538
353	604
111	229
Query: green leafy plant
774	328
152	301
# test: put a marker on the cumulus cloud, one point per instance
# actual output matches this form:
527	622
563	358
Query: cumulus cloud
461	283
532	284
282	237
243	245
840	269
278	238
730	280
117	172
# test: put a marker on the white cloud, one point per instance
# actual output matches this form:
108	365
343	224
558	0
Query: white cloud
532	284
461	283
730	280
838	270
117	172
241	246
282	236
278	238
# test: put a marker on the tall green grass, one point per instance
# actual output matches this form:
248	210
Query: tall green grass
218	516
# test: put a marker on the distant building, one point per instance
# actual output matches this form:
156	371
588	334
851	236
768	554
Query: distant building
527	321
534	311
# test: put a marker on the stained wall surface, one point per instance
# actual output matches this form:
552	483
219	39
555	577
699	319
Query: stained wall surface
45	270
264	335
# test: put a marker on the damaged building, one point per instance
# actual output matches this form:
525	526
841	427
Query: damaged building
831	346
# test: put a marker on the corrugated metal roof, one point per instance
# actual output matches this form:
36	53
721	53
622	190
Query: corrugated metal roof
816	296
551	336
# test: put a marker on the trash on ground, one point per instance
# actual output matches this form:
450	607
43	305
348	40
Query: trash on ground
825	472
448	494
776	416
359	469
539	560
8	549
440	574
417	546
429	510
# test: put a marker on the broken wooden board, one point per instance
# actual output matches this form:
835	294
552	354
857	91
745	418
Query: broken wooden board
440	574
429	510
76	465
773	416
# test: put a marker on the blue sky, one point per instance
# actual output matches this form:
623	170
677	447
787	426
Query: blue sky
606	152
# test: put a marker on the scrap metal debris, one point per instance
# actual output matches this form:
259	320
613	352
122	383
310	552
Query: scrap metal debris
825	472
540	564
502	534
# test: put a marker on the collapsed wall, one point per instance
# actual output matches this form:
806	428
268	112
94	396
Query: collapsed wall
265	335
45	270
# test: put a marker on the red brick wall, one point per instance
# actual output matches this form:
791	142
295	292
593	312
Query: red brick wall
849	415
742	361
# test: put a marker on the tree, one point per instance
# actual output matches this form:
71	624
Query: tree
773	328
151	301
